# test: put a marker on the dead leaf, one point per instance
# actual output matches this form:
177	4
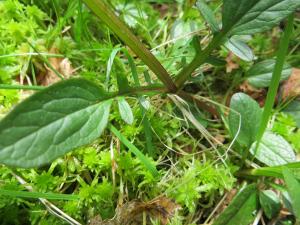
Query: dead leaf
291	87
62	65
133	213
258	94
231	63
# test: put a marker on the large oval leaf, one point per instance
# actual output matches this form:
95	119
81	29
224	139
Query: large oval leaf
252	16
241	209
260	74
246	113
273	150
52	122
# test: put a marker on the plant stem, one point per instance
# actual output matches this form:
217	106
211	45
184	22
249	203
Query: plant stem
122	31
281	54
199	59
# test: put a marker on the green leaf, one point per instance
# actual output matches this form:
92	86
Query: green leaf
125	110
253	16
293	187
242	208
26	194
273	150
270	203
208	15
250	116
110	64
293	109
148	164
52	122
240	49
260	74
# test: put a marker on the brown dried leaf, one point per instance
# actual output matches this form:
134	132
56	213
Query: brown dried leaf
291	87
132	213
258	94
231	63
62	65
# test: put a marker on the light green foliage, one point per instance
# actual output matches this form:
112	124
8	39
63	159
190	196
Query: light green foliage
199	180
8	98
286	126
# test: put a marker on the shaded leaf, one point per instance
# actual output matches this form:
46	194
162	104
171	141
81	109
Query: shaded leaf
270	203
273	150
293	109
242	208
52	122
252	16
240	49
208	15
260	74
250	116
293	187
125	110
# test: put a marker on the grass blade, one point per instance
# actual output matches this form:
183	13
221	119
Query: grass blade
49	196
134	150
282	51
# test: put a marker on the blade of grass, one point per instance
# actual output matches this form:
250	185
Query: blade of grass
281	54
145	120
46	61
21	87
274	171
121	30
49	196
134	150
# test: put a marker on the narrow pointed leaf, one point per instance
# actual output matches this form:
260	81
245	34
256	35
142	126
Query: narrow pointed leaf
252	16
242	209
208	15
125	110
147	163
52	122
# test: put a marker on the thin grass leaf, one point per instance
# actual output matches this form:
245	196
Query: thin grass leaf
21	87
110	64
143	106
134	150
282	51
49	196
